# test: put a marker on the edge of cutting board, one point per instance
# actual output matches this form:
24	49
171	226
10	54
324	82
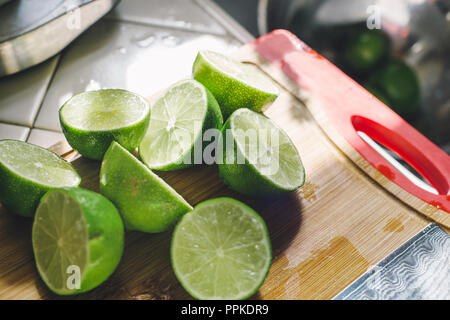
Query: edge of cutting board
248	54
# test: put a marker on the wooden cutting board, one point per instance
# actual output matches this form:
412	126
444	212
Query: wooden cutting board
324	236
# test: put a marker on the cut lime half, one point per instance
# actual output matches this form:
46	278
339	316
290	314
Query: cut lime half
27	172
92	120
78	240
234	84
259	158
221	250
178	120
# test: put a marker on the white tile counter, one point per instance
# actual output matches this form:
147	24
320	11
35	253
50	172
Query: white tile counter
142	46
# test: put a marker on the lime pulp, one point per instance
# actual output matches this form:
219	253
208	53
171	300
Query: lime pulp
221	250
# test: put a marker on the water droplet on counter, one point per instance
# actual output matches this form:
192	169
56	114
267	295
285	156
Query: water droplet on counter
171	41
181	23
93	85
146	42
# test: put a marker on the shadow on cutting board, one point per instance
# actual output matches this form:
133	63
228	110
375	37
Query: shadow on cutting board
145	271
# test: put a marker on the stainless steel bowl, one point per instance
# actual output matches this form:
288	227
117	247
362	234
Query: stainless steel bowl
32	31
419	31
4	1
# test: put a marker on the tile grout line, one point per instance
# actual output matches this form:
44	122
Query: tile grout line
198	4
45	129
170	27
18	126
52	76
232	27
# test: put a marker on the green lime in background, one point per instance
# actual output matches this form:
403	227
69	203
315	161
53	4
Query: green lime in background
377	93
399	84
366	50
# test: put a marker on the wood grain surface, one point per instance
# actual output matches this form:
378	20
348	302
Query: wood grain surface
324	236
247	53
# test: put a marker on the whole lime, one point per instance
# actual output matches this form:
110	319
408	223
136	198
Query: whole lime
398	82
365	50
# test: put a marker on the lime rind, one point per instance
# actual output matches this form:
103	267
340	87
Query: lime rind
233	92
285	174
246	73
221	250
145	201
247	170
104	110
15	185
36	164
93	140
76	230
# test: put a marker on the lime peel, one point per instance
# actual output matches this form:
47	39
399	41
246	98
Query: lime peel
234	84
145	201
91	120
27	172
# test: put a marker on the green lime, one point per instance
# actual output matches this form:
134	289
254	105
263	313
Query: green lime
177	123
399	84
258	158
144	200
92	120
221	250
377	93
27	172
234	84
78	239
364	51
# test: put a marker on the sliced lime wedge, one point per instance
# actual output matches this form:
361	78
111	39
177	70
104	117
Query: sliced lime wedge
92	120
178	119
221	250
78	240
234	84
144	200
265	160
28	171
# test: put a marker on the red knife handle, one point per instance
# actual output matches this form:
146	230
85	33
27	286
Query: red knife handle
350	108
